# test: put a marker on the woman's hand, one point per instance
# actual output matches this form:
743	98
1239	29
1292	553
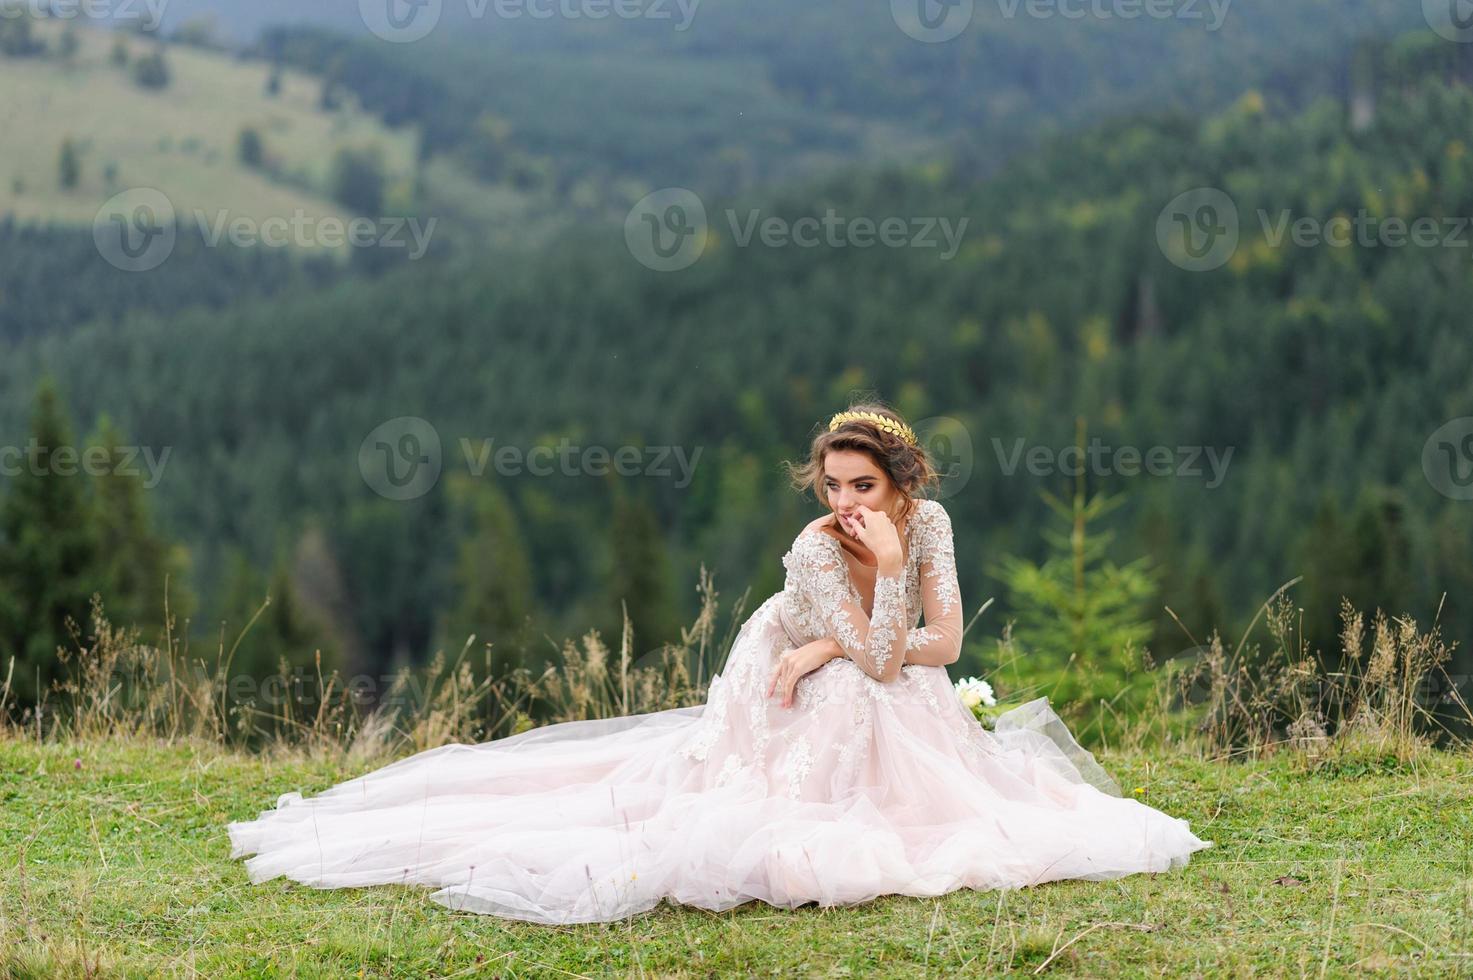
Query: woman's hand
794	664
877	532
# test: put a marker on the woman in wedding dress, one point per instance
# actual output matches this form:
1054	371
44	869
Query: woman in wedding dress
832	762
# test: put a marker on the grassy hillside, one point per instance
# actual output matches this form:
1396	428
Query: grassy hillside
117	859
181	139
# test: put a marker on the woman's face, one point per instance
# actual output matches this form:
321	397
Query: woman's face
851	478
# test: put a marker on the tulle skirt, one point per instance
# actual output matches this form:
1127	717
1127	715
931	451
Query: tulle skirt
859	789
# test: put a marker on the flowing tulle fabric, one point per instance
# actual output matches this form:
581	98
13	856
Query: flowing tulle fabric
859	789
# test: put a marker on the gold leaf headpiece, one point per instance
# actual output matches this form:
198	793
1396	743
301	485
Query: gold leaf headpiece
878	421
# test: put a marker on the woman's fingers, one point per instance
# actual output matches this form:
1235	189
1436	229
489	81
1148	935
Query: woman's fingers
782	662
781	682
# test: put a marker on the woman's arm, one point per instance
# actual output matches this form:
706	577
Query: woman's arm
939	642
925	646
940	654
793	665
876	643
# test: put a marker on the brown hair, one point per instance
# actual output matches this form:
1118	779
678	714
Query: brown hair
908	467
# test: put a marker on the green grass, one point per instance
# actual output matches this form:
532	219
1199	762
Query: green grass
116	855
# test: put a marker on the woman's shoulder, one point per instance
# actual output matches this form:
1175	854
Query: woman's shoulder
930	524
817	533
818	524
813	541
932	512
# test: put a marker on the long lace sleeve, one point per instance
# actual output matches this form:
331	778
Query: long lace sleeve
875	642
939	641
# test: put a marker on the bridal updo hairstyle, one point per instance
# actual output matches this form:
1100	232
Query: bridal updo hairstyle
908	467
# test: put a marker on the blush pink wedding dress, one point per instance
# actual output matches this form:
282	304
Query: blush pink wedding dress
877	780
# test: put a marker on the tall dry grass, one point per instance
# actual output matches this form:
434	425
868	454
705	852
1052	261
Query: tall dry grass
1391	698
1384	692
115	685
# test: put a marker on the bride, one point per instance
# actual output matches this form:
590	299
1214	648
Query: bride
832	762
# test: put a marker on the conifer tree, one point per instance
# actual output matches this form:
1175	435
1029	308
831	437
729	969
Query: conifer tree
492	578
272	641
138	563
640	572
1080	618
49	551
69	165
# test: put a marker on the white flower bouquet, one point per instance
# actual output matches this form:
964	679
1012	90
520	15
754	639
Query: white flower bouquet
977	695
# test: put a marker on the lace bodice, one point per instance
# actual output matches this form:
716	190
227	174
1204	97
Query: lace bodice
819	598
